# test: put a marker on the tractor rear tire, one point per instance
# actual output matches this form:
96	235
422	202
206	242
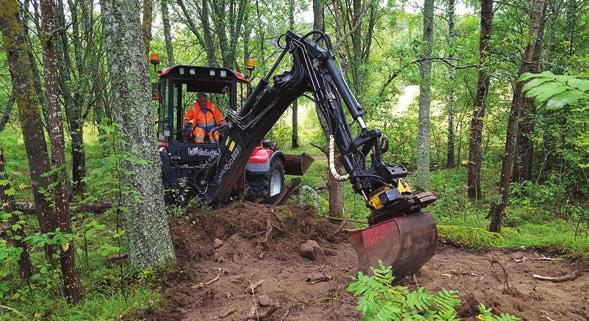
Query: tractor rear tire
266	187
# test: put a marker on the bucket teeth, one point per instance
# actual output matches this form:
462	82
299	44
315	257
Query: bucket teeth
420	200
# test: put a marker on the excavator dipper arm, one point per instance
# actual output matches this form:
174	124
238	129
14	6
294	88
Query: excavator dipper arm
382	185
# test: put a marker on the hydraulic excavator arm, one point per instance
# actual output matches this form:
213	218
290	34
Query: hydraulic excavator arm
382	185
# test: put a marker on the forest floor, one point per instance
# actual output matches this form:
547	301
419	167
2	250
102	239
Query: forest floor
260	250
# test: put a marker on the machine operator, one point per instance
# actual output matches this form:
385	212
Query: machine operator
204	117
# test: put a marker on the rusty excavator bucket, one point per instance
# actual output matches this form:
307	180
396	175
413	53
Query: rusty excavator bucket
406	243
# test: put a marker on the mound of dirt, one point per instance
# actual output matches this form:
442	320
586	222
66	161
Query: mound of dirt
251	220
223	253
242	262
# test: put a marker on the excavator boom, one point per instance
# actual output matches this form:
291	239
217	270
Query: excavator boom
399	233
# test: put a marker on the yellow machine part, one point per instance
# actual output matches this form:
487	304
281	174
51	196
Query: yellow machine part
374	200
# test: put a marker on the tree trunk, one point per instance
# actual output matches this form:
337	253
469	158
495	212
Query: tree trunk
423	139
498	208
334	187
295	104
5	117
74	96
17	49
206	40
167	32
32	60
72	288
7	204
146	224
476	126
295	124
524	159
318	19
78	158
146	24
450	160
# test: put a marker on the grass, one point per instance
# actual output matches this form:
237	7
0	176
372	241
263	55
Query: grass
529	222
98	307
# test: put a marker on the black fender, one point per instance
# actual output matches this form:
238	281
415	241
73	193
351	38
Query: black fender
169	176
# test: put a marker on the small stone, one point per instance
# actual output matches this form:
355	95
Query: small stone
330	252
311	250
217	243
264	300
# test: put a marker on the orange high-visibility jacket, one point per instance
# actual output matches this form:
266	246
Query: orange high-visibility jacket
207	117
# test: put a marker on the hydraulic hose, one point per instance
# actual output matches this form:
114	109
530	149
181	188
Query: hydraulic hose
331	161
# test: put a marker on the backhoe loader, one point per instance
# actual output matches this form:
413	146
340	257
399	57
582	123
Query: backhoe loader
399	233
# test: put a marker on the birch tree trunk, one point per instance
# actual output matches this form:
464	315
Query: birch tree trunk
476	126
72	288
146	224
498	208
167	32
423	139
450	160
17	49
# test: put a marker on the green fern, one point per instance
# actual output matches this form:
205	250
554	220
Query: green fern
381	301
487	315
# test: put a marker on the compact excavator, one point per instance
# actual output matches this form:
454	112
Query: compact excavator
399	233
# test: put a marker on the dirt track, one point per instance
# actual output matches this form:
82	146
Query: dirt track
261	248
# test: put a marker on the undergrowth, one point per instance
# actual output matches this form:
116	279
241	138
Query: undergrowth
536	218
382	301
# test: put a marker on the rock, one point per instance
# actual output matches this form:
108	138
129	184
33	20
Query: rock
311	250
330	252
234	248
217	243
264	300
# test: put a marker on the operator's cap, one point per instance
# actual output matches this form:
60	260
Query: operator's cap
202	94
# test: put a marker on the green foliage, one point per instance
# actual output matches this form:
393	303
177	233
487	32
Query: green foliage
550	212
381	301
557	91
536	217
487	315
564	99
8	257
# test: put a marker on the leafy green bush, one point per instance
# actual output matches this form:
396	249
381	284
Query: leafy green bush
381	301
548	193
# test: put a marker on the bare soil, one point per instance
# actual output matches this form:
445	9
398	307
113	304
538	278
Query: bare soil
260	252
